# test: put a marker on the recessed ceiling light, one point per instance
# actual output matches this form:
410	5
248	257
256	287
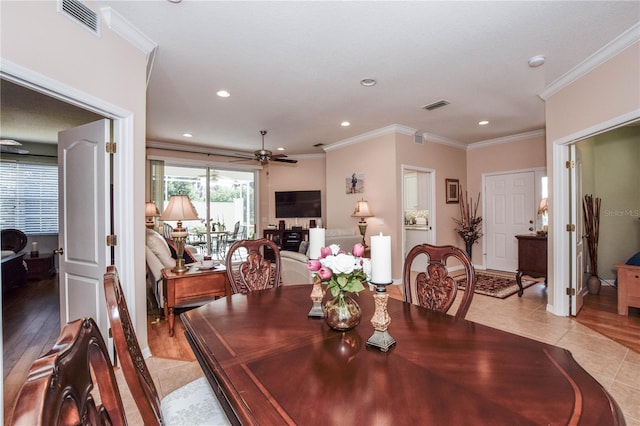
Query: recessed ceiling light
345	124
187	135
368	82
280	148
223	93
536	61
483	123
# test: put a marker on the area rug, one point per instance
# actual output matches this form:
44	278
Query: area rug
495	284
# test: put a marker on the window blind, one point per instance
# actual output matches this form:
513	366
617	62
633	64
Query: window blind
29	197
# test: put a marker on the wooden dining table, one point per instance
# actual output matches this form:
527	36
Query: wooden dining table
270	364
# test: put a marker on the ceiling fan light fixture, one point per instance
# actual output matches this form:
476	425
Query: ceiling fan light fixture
9	142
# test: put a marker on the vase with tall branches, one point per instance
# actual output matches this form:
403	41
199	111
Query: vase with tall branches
469	224
591	213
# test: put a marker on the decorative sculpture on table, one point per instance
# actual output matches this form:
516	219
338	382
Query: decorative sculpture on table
469	225
344	273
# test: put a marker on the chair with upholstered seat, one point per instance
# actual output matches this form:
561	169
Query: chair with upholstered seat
193	404
434	288
255	272
58	389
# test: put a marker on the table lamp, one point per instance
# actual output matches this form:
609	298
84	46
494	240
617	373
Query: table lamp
179	209
151	212
362	211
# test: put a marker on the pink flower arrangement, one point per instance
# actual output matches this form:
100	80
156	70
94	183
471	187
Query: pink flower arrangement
342	271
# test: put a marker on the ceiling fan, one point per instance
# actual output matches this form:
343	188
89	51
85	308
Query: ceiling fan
264	155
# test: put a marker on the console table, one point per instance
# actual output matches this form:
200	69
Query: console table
532	258
192	288
286	239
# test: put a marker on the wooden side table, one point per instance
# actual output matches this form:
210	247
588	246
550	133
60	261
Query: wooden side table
192	288
532	258
628	287
41	267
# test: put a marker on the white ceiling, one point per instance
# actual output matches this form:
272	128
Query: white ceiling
294	68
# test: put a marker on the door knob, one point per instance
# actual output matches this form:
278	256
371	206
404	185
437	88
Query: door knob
58	251
531	222
531	228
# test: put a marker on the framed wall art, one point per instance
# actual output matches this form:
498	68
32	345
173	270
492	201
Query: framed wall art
452	191
355	183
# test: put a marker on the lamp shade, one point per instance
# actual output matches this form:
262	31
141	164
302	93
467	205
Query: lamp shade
179	208
151	210
362	209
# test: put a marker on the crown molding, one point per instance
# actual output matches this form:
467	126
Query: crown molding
443	141
507	139
394	128
617	45
126	30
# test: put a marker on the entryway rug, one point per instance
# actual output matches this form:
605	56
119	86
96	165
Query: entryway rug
496	284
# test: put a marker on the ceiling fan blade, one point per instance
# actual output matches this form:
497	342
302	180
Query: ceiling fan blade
284	160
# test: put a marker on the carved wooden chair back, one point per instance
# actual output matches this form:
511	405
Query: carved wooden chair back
193	403
254	272
59	385
134	367
435	288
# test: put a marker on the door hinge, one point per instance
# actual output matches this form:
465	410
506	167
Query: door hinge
570	164
571	291
112	240
111	147
571	227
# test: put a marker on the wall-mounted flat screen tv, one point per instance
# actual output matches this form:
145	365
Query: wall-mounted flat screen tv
298	204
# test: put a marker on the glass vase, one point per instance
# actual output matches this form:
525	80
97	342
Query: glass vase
342	313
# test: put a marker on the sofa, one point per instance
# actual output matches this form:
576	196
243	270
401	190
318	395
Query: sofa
294	264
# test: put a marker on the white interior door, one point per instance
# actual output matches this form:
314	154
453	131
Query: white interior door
577	261
84	217
510	211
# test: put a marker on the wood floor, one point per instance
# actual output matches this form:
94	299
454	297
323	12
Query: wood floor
31	323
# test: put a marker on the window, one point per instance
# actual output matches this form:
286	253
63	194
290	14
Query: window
29	197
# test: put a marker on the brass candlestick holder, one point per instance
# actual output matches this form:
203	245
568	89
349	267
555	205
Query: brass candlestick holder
317	294
381	338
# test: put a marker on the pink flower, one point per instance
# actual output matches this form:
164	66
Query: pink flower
324	273
314	265
324	252
358	250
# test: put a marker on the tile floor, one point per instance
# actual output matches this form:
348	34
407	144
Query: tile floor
613	365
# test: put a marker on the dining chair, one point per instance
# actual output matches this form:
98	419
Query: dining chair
193	404
254	272
434	288
59	386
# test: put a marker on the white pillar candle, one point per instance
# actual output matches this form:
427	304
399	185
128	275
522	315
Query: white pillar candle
34	246
381	259
316	242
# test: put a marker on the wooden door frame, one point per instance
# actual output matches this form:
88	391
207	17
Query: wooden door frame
123	132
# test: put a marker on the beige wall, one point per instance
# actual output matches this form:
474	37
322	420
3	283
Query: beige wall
604	94
36	37
307	174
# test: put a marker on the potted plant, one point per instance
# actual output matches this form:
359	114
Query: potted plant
469	224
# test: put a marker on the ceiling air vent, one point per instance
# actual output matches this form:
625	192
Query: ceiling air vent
436	105
80	14
418	139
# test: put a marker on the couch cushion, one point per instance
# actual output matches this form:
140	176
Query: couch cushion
160	248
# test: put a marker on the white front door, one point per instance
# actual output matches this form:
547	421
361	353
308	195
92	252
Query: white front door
510	211
85	212
577	261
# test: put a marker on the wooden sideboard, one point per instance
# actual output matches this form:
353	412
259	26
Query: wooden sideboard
532	258
628	287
